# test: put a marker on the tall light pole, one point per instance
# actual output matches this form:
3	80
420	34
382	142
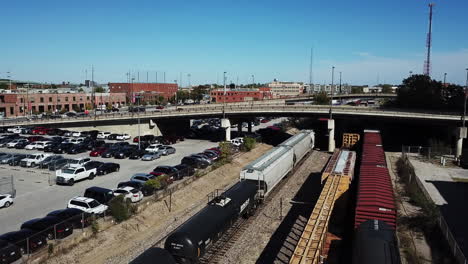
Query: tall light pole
224	94
177	88
464	104
445	78
253	81
188	77
331	92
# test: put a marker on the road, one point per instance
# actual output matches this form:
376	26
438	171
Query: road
35	198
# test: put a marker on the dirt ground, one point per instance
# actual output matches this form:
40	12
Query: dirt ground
123	242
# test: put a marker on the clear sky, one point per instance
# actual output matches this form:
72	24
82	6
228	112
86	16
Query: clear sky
368	41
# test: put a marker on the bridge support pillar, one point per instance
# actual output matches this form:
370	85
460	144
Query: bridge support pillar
239	127
226	124
331	135
249	128
461	134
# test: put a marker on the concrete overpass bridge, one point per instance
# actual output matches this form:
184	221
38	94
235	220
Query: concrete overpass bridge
242	110
346	96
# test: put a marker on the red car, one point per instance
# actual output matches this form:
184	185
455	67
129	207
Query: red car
97	152
159	107
39	131
215	149
274	128
34	138
265	121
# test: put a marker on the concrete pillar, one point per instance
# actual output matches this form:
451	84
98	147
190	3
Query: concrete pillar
249	128
239	127
331	135
226	124
461	134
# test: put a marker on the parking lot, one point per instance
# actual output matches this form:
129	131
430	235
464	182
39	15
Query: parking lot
37	194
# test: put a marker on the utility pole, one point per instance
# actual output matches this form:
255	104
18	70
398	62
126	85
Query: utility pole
188	77
331	92
224	95
466	95
93	98
445	78
311	78
164	77
340	88
427	63
253	81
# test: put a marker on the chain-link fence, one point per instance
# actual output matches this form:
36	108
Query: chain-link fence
414	181
436	154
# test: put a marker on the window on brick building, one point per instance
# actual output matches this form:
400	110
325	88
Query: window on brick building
41	99
74	98
50	99
66	99
22	100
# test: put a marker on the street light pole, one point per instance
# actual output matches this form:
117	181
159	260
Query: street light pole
464	104
331	92
253	81
445	78
224	94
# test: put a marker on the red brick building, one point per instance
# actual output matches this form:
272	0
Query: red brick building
149	90
19	104
240	95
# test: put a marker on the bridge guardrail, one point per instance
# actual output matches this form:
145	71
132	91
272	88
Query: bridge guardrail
232	109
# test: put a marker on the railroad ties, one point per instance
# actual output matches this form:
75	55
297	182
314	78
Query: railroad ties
311	247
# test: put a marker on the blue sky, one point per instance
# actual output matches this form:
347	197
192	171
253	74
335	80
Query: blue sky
368	41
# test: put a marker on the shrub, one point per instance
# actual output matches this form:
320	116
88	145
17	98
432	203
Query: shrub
154	183
249	143
226	151
119	208
94	227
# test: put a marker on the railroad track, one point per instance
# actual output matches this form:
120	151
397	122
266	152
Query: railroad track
219	248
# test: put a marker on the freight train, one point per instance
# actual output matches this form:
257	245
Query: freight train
190	241
375	217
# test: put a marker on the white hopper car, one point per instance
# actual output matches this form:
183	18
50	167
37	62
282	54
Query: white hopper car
269	169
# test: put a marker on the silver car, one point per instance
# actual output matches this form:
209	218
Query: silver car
151	156
166	150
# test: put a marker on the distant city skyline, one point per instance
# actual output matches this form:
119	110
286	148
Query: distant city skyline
370	42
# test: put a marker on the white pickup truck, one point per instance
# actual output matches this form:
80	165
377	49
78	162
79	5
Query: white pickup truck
33	160
70	175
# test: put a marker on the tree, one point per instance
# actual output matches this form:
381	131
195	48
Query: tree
386	88
321	98
99	89
4	86
357	89
199	92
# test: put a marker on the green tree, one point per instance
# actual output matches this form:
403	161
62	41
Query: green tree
321	98
120	208
420	91
199	92
386	88
4	86
249	143
99	89
357	89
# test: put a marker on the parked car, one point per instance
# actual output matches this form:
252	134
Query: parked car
93	144
6	200
26	239
33	160
202	156
211	155
47	161
21	144
94	164
62	148
168	170
153	148
110	152
36	145
13	143
87	205
51	226
9	252
130	193
74	216
144	138
112	136
15	161
149	156
102	195
79	161
146	190
185	170
142	177
103	135
108	167
76	149
97	152
123	137
58	164
69	175
195	162
167	150
137	154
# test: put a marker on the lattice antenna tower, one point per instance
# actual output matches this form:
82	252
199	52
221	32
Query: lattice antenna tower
427	62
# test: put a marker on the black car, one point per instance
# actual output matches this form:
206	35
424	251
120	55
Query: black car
137	154
95	144
107	168
112	136
15	161
62	148
123	153
77	148
146	190
51	226
93	164
9	252
21	145
169	170
102	195
58	164
76	217
57	139
195	162
26	239
110	152
50	146
47	161
185	170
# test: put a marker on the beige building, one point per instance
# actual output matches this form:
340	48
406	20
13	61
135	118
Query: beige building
286	89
